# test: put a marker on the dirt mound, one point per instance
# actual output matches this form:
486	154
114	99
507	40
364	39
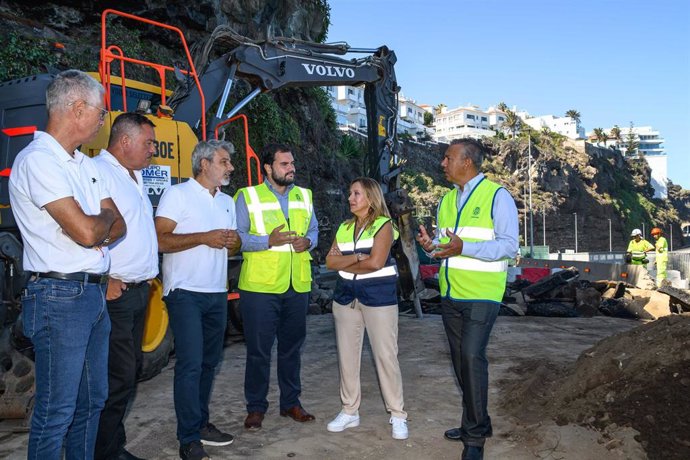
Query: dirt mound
639	378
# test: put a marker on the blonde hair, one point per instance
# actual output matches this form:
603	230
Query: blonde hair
377	204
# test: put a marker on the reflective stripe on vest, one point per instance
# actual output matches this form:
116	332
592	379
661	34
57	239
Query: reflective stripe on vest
468	278
372	289
274	270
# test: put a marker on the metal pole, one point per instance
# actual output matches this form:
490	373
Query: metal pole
529	179
575	214
543	223
671	247
644	233
610	240
525	221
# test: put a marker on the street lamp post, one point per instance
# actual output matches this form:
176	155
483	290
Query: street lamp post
575	214
610	240
529	180
543	223
644	233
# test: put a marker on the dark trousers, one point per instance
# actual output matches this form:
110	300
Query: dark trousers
266	317
127	314
468	327
198	321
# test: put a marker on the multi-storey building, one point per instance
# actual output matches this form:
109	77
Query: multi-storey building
650	144
566	126
468	121
350	110
349	107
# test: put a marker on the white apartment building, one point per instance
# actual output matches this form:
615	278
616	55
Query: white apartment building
349	107
411	118
566	126
650	144
468	121
350	111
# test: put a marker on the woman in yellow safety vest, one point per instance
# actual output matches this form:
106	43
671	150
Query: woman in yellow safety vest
661	247
365	298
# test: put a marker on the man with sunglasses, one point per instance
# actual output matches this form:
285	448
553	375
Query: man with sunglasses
66	219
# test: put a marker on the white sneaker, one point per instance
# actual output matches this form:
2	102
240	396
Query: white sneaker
343	421
399	427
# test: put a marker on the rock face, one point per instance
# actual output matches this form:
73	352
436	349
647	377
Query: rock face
256	19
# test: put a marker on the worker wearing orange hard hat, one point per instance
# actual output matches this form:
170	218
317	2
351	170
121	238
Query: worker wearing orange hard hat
661	248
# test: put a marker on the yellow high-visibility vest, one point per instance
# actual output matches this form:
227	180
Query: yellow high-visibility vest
462	277
273	271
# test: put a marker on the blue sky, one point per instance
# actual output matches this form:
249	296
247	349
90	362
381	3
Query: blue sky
613	61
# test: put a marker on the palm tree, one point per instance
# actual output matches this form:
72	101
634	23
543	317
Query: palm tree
600	135
574	114
502	107
512	122
439	108
616	134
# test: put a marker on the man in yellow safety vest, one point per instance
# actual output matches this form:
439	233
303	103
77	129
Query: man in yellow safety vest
477	233
278	228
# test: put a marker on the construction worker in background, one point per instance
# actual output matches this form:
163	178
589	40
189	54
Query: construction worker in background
638	249
661	247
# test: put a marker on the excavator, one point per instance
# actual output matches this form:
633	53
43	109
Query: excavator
182	118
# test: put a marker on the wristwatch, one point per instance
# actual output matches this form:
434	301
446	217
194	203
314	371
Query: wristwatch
359	256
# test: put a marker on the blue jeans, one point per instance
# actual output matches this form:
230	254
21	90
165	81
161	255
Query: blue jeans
265	317
198	321
69	327
468	327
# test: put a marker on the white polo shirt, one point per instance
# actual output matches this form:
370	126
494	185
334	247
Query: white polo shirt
44	172
134	257
201	268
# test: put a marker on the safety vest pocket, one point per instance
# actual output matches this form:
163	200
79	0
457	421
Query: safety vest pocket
305	268
263	267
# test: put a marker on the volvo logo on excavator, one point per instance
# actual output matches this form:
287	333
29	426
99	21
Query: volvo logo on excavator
329	70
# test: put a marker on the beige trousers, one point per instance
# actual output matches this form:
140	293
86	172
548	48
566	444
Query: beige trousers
381	324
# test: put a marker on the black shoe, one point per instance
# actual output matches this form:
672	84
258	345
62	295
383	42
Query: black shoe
453	434
473	453
193	451
212	436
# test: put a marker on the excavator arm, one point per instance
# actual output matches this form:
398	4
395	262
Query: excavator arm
281	63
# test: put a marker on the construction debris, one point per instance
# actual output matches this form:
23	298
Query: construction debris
564	294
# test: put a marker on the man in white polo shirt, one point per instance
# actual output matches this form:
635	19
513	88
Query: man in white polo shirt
66	219
196	229
134	262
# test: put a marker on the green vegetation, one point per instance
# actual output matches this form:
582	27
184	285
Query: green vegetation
323	103
512	122
574	114
324	9
22	56
350	147
631	141
600	135
428	119
270	123
424	192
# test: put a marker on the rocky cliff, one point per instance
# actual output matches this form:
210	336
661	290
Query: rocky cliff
570	180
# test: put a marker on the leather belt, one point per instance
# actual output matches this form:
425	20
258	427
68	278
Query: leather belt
84	277
135	285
